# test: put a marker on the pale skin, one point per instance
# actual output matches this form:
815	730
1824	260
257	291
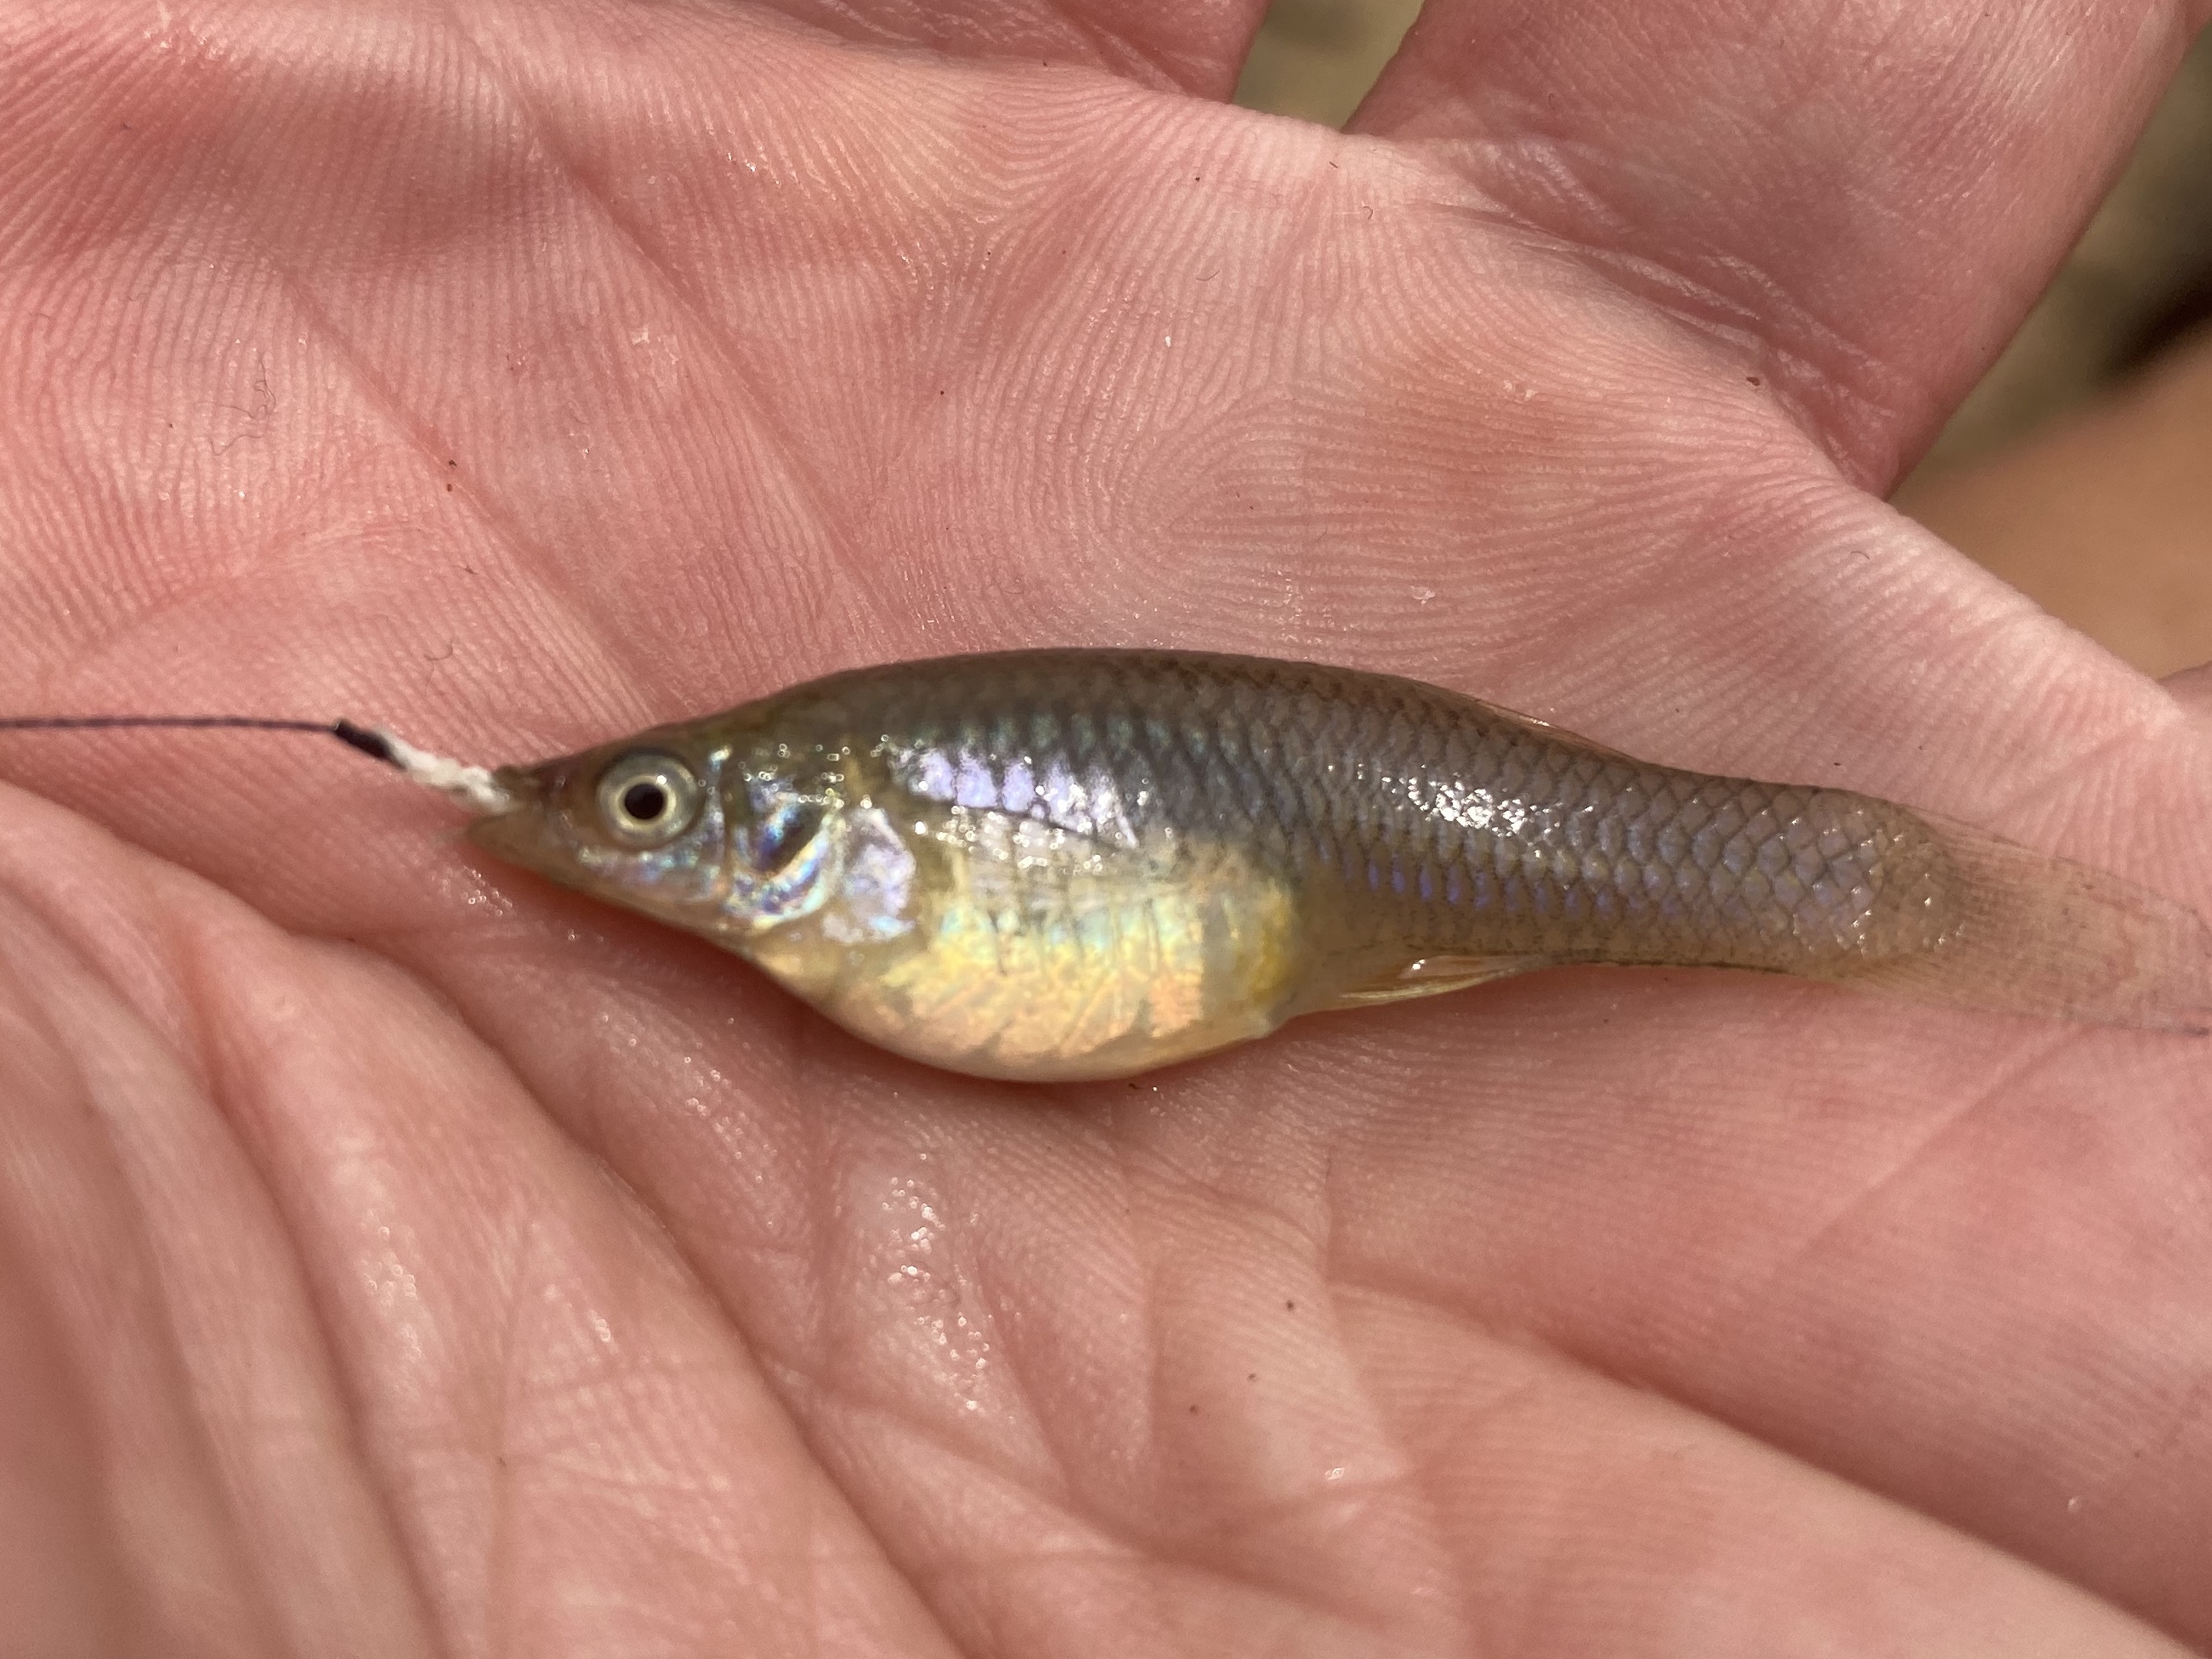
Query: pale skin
400	1257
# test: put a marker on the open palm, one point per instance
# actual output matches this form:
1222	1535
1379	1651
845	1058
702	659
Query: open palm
397	1256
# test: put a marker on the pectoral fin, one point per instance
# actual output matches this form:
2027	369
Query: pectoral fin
1432	976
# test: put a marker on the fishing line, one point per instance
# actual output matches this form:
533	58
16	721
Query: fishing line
473	787
370	742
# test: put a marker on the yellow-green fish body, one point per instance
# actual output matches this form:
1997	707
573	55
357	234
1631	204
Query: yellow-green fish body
1083	864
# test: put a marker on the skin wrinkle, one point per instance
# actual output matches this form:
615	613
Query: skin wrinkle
1497	1407
196	967
1210	1551
1318	1500
1987	630
782	1375
182	1019
822	1387
1164	1181
1258	1517
632	1381
1117	53
769	1254
1796	375
762	421
1742	1296
502	527
802	1032
168	945
85	666
1156	1593
1706	522
634	1498
824	604
501	1594
1012	1361
1622	164
1710	528
1551	1353
491	1449
1288	1593
1117	1542
1380	1422
2154	725
692	1249
1828	360
2045	774
779	1377
1114	52
959	380
789	452
17	1008
1299	240
120	636
206	1457
1416	1477
2189	1412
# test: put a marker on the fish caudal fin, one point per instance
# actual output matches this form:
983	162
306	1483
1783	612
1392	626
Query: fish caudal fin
2028	933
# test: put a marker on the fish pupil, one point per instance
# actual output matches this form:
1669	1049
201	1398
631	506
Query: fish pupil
646	801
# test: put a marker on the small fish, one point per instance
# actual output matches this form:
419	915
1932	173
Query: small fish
1083	864
1075	864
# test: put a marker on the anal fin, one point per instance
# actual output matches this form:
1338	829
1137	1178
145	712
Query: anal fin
1432	976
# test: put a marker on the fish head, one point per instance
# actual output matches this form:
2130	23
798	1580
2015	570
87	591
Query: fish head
736	835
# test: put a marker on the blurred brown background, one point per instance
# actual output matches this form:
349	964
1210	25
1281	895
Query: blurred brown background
2080	469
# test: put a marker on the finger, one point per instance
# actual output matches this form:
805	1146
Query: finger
2105	518
1861	200
66	1568
196	1383
212	1403
1190	46
2192	689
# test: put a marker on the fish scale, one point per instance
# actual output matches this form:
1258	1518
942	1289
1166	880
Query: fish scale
1592	846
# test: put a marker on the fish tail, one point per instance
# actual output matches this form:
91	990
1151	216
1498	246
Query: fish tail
2027	933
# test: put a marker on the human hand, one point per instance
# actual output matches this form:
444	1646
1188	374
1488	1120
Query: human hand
398	1257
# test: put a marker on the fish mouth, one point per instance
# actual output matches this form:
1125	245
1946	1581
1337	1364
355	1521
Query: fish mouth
524	832
536	832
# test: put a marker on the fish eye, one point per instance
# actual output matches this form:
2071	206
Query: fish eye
647	799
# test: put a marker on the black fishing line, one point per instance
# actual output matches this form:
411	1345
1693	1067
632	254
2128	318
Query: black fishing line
374	745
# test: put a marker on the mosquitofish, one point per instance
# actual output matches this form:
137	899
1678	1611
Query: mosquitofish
1083	864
